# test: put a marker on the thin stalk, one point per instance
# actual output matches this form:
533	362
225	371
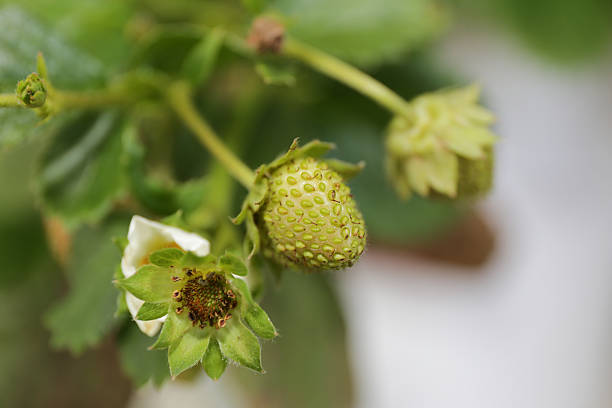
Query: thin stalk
180	100
347	74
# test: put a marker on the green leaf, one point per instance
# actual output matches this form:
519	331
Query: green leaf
214	361
166	47
152	311
345	169
23	37
150	283
253	314
121	243
362	31
253	242
80	172
167	257
188	351
200	62
173	328
191	260
86	314
238	343
17	124
139	363
275	74
149	191
233	264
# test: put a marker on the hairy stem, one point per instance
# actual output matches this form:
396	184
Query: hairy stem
10	101
347	74
180	100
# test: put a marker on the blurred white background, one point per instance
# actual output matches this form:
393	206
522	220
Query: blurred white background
533	327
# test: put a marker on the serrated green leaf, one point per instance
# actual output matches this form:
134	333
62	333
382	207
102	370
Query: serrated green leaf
167	257
365	31
275	74
24	37
239	344
199	63
86	314
253	314
80	172
258	320
139	363
233	264
173	328
188	351
150	283
152	311
214	361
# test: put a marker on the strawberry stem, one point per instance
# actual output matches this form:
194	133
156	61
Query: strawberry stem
180	100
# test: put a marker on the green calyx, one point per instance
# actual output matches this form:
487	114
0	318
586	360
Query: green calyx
304	211
444	149
32	91
206	306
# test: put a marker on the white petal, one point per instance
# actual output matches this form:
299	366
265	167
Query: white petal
144	237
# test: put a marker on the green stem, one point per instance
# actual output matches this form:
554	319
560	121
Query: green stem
347	74
180	100
10	101
92	99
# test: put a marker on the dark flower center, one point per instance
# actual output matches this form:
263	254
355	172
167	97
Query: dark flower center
209	300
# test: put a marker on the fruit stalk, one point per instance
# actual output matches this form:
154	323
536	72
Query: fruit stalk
347	74
180	100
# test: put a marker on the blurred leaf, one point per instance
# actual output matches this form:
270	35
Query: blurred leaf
199	63
23	37
562	29
137	361
166	49
363	31
86	314
80	173
275	74
15	125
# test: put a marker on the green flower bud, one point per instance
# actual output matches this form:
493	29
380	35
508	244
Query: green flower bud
310	219
444	148
31	91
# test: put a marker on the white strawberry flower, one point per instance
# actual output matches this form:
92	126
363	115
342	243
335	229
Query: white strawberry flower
144	237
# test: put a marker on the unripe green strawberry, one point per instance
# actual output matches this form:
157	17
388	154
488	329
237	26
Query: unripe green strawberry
310	218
